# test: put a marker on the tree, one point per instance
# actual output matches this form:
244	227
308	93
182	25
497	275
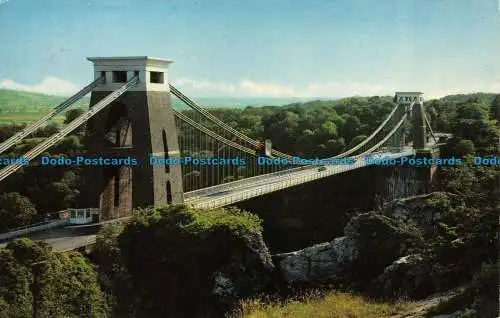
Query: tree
351	128
465	147
73	114
495	109
37	282
47	131
15	210
356	140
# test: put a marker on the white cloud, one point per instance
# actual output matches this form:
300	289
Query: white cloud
432	93
249	88
51	85
346	89
266	89
205	86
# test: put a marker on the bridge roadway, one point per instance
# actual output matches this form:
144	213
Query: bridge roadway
73	237
230	193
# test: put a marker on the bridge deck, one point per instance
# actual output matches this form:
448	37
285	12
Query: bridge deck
229	193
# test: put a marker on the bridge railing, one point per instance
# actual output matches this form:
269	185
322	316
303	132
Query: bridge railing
232	184
260	190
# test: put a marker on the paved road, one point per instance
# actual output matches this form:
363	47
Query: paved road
66	238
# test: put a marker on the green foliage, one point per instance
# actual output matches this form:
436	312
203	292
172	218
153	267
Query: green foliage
198	222
73	114
465	147
174	255
15	211
38	282
15	290
495	109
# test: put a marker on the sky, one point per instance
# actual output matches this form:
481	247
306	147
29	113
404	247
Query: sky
259	48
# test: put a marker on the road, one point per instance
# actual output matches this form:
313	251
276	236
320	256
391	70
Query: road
66	238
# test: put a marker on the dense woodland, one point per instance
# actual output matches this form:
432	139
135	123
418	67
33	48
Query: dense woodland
71	285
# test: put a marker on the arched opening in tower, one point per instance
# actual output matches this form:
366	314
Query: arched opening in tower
118	128
169	193
165	150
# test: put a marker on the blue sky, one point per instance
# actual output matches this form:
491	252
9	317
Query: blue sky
276	48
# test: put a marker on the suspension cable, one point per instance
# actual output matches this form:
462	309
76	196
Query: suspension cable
430	128
369	138
40	122
386	137
212	134
54	139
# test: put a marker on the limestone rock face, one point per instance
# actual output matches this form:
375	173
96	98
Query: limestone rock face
248	269
407	276
318	262
371	241
382	251
422	211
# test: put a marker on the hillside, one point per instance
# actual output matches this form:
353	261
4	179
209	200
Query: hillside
486	98
22	107
22	101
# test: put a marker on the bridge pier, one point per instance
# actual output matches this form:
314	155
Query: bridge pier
136	126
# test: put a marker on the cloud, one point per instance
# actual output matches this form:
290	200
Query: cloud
205	86
248	87
346	89
50	85
432	93
266	89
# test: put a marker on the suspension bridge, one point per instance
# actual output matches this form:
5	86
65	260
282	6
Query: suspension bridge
131	115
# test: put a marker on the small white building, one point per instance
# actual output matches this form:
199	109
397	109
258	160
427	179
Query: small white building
83	216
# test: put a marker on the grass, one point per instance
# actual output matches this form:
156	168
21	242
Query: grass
331	305
22	118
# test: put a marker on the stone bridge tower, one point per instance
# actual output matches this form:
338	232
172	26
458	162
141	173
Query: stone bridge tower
139	124
417	116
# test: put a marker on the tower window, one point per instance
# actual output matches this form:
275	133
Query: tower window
156	77
136	73
103	75
119	77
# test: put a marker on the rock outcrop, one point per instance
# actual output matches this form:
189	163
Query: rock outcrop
371	242
382	248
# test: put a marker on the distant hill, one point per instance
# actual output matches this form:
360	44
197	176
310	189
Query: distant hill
15	103
461	98
20	101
